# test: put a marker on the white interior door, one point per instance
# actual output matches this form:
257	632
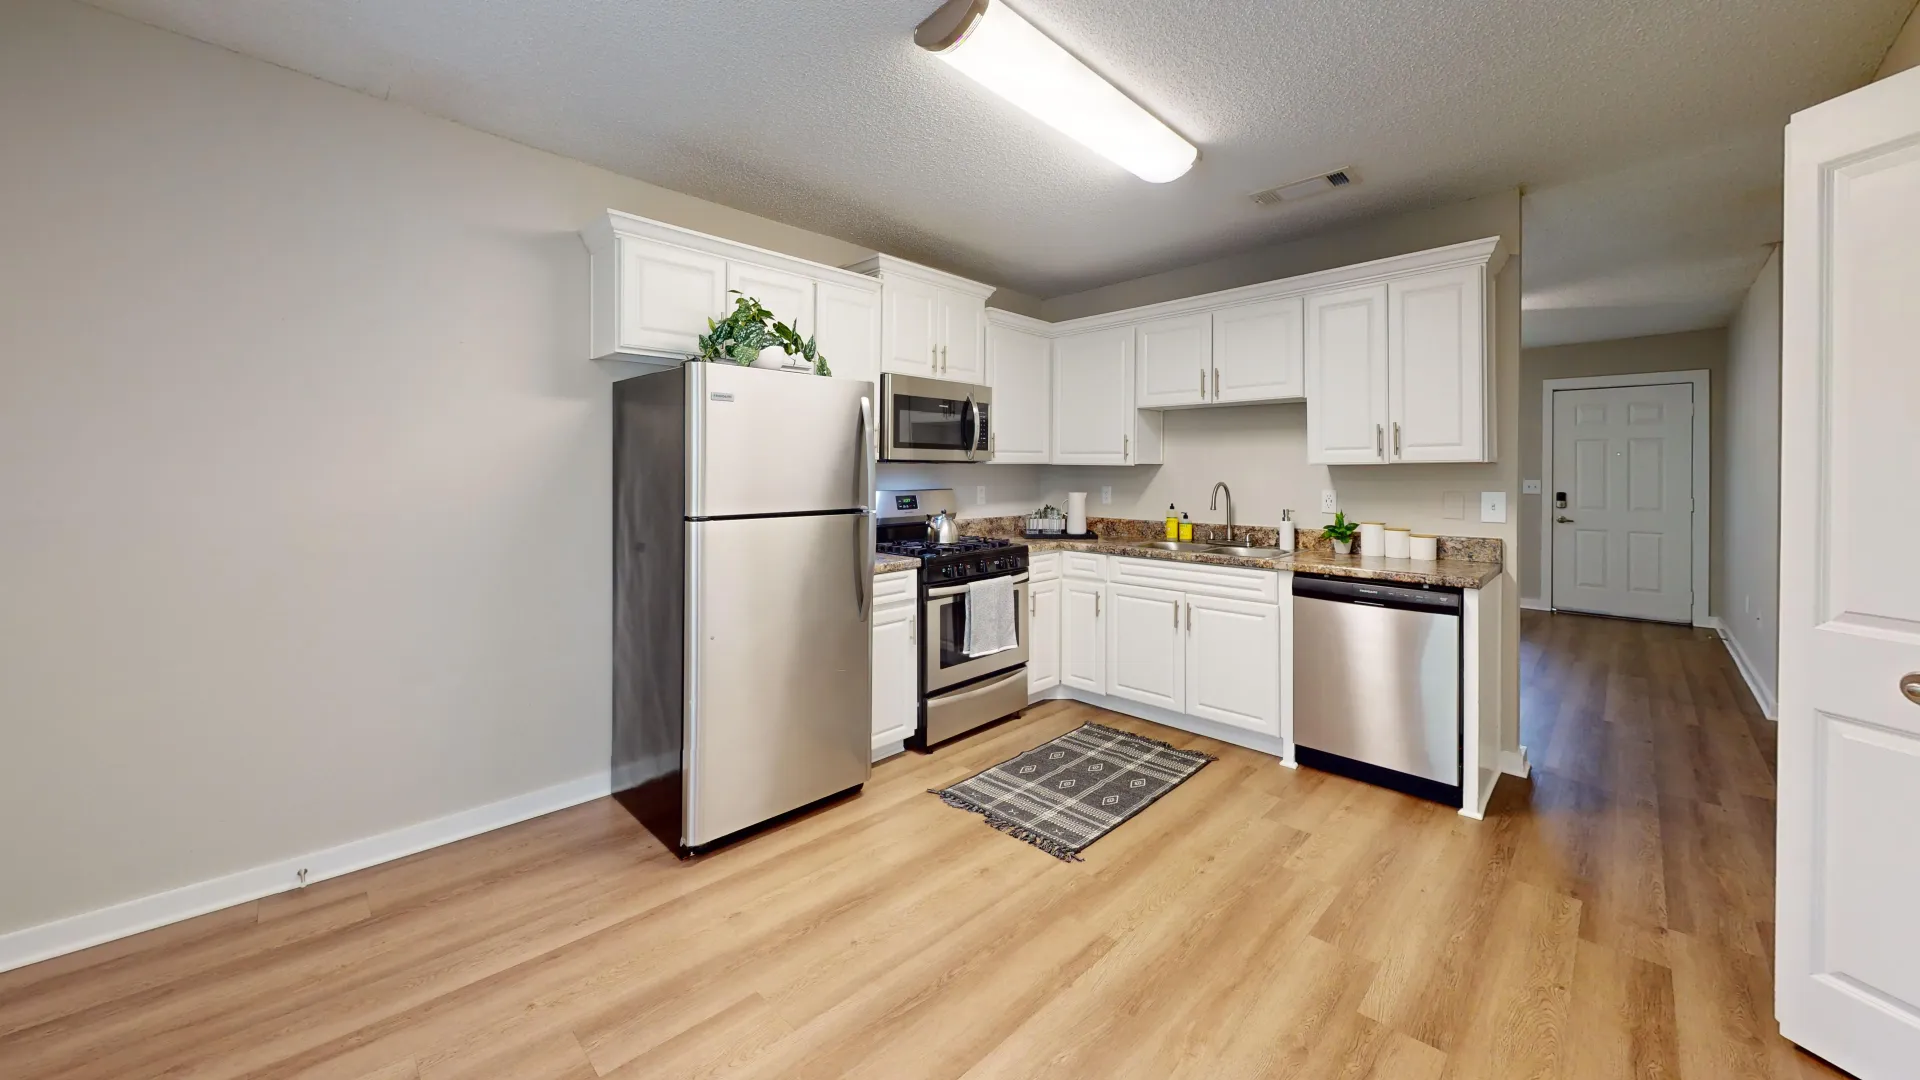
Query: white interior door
1623	543
1848	973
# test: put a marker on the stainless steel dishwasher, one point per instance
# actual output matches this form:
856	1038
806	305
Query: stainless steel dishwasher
1376	683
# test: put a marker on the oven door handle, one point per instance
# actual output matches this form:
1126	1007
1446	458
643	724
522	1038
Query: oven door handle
956	590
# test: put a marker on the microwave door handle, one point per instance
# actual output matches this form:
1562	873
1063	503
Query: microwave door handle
971	415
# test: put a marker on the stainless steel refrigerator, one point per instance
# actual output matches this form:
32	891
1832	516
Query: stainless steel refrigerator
743	587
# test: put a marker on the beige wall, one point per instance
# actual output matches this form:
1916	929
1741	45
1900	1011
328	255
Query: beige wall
304	534
1905	52
1699	349
1748	543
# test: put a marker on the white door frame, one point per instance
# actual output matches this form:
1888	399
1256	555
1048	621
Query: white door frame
1702	475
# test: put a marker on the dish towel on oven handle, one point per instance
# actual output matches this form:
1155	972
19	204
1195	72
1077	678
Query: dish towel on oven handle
991	626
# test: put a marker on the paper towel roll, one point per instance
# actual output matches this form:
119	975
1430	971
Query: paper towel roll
1373	539
1398	544
1077	512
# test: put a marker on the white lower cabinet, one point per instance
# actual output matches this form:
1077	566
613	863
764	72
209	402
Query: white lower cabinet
1043	636
896	670
1145	658
1233	662
1083	648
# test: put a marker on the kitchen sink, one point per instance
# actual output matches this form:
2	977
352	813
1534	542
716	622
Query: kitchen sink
1173	545
1245	552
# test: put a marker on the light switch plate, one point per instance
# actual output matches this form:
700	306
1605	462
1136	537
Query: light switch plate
980	495
1329	501
1106	494
1530	487
1493	506
1453	505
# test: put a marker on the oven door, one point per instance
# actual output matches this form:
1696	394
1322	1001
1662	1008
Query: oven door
934	420
947	662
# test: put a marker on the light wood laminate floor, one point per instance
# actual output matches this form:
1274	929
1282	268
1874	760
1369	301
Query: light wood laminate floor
1608	920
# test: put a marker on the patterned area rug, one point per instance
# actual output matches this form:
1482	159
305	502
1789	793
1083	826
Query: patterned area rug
1065	794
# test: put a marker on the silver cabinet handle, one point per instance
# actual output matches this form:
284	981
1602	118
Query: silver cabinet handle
943	359
1126	447
1396	438
1096	605
933	351
1379	441
1176	616
1203	383
1563	520
1216	384
1910	686
1189	617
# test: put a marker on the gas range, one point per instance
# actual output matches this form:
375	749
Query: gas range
969	558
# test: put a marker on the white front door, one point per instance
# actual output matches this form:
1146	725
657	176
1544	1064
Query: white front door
1847	982
1623	467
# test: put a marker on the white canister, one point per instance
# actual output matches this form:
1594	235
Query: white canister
1398	543
1373	539
1077	513
1423	548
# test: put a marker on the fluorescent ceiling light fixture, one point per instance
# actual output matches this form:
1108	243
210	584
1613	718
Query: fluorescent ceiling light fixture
995	47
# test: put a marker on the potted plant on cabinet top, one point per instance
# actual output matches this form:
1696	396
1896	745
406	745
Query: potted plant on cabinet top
750	329
1341	532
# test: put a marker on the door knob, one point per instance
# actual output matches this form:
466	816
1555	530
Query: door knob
1910	686
1564	520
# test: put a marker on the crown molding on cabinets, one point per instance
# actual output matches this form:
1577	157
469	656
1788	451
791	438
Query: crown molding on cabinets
997	317
887	265
602	231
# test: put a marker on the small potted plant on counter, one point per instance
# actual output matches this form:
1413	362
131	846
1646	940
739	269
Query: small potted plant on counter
1341	532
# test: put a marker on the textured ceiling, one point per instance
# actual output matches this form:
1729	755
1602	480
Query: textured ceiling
825	115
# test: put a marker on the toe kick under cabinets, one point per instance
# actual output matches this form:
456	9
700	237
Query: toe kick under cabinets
1209	650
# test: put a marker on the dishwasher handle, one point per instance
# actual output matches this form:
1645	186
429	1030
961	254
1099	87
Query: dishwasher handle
1438	599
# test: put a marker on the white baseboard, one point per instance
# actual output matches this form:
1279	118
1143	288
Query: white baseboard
47	940
1514	763
1535	603
1762	693
1226	733
884	750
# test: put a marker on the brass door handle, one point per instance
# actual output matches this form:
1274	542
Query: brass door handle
1910	686
1564	520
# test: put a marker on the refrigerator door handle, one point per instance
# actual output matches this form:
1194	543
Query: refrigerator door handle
864	538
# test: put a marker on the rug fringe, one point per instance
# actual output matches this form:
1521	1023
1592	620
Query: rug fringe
1009	826
1202	754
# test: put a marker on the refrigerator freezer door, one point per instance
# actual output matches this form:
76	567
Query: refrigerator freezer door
774	442
779	711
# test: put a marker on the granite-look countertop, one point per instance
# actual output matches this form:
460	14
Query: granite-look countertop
1455	573
893	564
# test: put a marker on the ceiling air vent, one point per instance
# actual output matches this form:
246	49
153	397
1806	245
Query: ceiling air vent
1303	189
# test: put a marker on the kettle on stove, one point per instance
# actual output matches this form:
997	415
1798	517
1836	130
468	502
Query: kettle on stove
943	529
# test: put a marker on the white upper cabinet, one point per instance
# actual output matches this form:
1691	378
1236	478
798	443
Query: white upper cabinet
667	294
653	286
1093	398
1175	361
1259	351
965	317
1346	364
1436	367
934	324
1020	372
847	328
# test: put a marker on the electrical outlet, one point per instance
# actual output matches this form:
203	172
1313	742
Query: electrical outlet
1530	487
1329	501
1493	506
980	495
1453	505
1106	494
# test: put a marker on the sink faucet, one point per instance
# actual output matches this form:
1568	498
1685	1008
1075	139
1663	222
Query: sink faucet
1215	505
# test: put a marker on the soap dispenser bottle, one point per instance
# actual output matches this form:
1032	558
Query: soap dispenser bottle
1285	540
1173	523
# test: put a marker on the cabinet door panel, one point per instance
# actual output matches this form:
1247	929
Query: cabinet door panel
667	294
1145	658
1083	649
1233	663
1043	636
896	671
788	296
965	320
1347	376
1259	351
1436	366
1174	361
1020	370
912	328
1093	397
849	330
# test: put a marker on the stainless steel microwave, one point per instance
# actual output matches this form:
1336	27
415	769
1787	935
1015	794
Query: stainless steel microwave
934	420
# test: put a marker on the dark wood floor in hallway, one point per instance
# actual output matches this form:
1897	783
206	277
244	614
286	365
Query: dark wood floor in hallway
1609	919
